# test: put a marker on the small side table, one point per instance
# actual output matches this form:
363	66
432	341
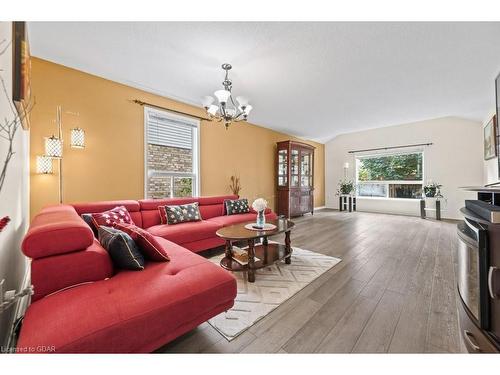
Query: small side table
423	209
347	202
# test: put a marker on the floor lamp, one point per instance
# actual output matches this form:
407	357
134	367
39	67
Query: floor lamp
54	149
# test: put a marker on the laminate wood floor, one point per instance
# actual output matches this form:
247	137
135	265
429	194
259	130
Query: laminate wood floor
393	292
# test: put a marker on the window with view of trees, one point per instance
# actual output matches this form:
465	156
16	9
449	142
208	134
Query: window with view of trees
171	155
390	176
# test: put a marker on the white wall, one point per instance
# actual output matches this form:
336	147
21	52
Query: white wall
455	159
14	197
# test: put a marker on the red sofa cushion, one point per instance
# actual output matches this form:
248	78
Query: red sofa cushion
91	264
209	207
218	199
56	230
186	232
211	210
148	243
239	218
132	311
202	245
91	207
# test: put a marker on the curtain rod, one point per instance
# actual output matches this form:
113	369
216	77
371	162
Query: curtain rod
390	147
142	103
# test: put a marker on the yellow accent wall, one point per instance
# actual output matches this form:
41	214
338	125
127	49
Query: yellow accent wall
112	164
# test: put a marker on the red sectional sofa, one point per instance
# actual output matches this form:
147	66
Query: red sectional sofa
82	304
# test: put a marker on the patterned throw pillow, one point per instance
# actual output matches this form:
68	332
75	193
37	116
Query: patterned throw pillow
148	244
180	214
108	218
90	222
237	206
122	249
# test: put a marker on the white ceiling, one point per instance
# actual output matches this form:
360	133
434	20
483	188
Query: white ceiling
313	80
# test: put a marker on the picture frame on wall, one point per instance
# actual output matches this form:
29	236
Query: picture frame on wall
21	73
490	139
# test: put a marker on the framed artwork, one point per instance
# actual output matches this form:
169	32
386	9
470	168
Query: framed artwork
21	72
490	147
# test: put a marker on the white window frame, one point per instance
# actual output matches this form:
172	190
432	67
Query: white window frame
389	182
195	175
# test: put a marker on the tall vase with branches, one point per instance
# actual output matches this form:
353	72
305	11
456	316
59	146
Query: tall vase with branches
235	185
9	125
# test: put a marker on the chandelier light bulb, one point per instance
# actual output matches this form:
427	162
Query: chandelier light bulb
212	110
207	101
248	108
222	96
242	101
231	112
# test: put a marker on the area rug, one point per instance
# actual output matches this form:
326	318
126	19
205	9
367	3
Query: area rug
273	285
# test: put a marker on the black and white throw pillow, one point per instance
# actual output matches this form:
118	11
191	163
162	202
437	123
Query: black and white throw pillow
182	213
122	249
237	206
90	222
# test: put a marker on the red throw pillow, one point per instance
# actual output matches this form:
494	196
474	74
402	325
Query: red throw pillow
163	214
109	218
148	244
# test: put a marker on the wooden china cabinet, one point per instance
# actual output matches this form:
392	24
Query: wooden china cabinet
295	178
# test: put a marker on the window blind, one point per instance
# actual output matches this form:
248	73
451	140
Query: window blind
169	130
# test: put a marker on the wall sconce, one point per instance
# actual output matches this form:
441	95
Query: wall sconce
44	165
77	138
53	147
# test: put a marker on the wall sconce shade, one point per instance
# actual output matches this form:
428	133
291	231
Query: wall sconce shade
77	138
53	147
43	165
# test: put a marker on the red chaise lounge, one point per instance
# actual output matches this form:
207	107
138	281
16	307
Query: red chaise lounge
83	305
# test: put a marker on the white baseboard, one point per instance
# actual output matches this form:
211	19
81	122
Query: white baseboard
319	208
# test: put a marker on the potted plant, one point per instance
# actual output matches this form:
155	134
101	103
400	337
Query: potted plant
431	188
345	187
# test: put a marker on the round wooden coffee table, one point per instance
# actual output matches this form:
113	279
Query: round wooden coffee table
267	253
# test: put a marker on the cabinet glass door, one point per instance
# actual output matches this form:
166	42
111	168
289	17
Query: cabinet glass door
294	168
305	169
282	167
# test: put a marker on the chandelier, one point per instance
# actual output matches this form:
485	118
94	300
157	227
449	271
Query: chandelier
227	111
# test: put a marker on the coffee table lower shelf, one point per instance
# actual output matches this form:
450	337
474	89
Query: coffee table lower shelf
267	254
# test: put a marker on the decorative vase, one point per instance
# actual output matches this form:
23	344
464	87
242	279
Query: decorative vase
261	219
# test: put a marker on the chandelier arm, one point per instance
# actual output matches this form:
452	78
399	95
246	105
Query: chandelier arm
232	101
239	115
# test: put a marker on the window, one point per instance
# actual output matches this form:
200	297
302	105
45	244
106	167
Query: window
398	175
171	155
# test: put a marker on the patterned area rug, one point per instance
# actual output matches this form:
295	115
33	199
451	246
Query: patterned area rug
273	285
